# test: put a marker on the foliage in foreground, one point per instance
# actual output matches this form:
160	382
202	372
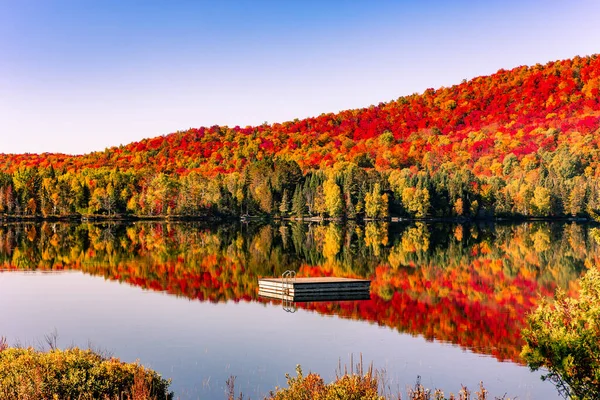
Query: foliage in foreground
353	386
357	386
75	374
564	337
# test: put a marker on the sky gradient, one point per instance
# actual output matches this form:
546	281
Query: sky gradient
79	76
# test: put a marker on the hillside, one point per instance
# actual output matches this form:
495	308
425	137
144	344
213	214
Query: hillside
522	142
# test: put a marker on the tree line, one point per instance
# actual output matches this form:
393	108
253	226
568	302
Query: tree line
551	184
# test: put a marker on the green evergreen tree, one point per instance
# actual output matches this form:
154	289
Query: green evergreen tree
298	203
284	207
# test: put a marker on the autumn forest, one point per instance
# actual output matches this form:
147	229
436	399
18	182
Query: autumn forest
518	143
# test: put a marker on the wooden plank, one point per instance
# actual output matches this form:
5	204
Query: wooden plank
314	293
328	296
315	289
306	289
324	279
308	292
313	283
326	286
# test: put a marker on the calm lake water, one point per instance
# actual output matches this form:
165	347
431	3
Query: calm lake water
447	301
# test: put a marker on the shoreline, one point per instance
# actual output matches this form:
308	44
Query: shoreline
219	219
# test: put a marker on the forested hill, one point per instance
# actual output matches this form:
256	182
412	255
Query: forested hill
522	142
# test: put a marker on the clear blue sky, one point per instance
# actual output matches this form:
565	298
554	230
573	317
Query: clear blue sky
78	76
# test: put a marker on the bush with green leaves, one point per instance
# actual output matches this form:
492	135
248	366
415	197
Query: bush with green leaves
564	338
75	374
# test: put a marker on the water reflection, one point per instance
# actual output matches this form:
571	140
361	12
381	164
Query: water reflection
465	284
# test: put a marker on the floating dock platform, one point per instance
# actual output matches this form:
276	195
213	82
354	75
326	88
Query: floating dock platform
290	288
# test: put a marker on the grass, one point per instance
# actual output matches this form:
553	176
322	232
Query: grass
357	384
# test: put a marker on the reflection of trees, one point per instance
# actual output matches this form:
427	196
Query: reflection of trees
470	285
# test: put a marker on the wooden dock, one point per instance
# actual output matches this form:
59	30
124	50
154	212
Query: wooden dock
314	289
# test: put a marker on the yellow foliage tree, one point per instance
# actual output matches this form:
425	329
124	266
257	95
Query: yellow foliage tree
416	201
333	197
542	201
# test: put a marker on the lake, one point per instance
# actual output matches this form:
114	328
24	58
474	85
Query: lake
447	301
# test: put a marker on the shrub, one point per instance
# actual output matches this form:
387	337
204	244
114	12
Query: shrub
564	337
312	387
75	374
359	386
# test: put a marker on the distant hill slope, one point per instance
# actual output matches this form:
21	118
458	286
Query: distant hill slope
489	116
537	125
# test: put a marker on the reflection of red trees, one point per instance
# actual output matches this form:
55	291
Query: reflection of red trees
458	307
520	105
472	306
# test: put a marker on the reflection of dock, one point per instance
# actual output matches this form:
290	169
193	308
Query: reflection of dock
314	289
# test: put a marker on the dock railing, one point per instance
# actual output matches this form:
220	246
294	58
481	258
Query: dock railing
287	278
